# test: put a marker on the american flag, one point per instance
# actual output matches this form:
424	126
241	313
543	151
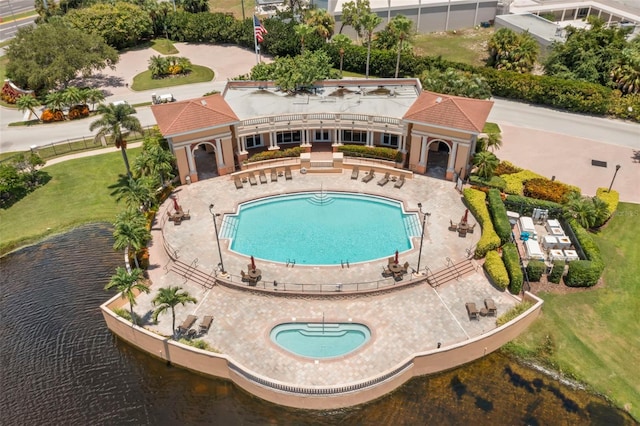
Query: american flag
258	29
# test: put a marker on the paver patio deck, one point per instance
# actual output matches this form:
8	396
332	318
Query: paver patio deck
403	321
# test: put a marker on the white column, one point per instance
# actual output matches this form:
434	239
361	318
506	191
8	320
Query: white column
242	143
452	157
219	153
273	142
563	12
475	17
419	13
190	161
423	151
575	15
403	144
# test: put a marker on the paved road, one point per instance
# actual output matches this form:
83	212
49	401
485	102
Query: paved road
9	29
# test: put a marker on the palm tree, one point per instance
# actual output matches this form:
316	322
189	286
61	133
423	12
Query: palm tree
72	96
303	31
128	284
114	119
401	27
600	211
511	51
158	66
626	73
169	298
130	231
369	23
323	22
28	102
493	141
341	41
581	209
154	161
55	101
93	96
136	193
486	163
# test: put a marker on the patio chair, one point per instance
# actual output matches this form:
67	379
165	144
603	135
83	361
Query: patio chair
368	177
187	323
405	267
206	323
287	173
491	307
386	272
355	172
192	333
399	182
473	312
252	179
263	177
384	180
274	175
452	226
470	230
238	182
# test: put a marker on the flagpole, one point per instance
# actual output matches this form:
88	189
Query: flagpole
255	39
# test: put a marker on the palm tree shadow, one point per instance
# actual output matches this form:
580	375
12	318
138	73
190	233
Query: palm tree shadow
636	156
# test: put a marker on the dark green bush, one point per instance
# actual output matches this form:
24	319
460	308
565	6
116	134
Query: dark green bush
535	269
556	272
511	261
269	155
365	151
499	216
494	182
582	273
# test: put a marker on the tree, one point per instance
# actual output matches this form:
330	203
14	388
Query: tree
626	73
128	284
322	21
114	119
28	102
158	66
492	142
341	41
369	23
130	232
195	6
55	101
486	163
303	31
136	193
42	58
401	27
72	96
581	209
352	13
169	298
93	96
154	161
511	51
454	82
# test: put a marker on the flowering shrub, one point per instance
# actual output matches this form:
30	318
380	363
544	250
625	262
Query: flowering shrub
78	111
506	168
515	181
49	116
545	189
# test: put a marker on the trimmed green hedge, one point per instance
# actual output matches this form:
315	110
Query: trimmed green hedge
511	261
535	269
525	205
489	240
369	152
493	182
515	181
611	198
557	271
270	155
584	273
499	216
494	266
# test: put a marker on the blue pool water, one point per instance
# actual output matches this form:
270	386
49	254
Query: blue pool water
319	340
321	228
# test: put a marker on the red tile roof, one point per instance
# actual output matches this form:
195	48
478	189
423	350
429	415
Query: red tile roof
450	111
194	114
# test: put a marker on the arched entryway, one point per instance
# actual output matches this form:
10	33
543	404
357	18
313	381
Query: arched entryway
437	159
204	155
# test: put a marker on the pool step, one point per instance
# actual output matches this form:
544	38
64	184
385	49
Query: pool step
412	225
229	226
193	274
452	272
320	199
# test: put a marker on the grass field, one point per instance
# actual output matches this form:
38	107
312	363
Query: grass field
594	335
164	46
467	46
198	74
78	193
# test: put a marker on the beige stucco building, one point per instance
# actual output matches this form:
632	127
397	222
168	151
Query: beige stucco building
214	135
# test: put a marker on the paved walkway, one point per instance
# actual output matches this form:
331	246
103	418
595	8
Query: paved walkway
403	321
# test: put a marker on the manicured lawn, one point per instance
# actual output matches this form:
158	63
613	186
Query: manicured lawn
164	46
232	6
198	74
467	46
491	128
78	193
594	335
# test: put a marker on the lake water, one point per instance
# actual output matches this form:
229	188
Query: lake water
59	365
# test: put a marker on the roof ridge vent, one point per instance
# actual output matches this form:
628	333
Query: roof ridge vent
203	102
438	99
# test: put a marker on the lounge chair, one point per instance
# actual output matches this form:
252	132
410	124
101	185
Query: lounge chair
473	312
287	173
368	177
192	333
491	307
274	175
206	323
238	182
252	179
263	177
355	172
384	180
399	182
187	323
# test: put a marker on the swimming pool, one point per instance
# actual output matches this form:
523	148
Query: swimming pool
320	340
321	228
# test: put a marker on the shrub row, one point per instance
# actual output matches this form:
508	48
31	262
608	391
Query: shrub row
525	205
496	270
557	271
584	273
489	240
535	269
499	216
511	261
493	182
546	189
369	152
612	199
270	155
